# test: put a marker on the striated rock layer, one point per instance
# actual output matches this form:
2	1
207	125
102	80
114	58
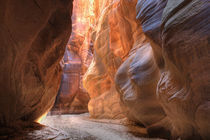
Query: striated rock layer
150	21
184	87
33	35
111	47
136	79
151	63
180	43
159	63
98	79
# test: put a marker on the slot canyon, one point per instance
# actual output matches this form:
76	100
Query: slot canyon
104	69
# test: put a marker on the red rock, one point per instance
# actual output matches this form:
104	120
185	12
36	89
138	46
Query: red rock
33	35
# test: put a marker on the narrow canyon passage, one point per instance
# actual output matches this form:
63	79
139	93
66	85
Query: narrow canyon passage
104	69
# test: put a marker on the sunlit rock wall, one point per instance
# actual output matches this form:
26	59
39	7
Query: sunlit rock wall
98	80
109	53
33	35
122	51
155	53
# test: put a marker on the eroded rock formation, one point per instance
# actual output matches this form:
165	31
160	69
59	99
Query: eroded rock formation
33	35
111	47
98	80
151	62
137	78
160	65
183	86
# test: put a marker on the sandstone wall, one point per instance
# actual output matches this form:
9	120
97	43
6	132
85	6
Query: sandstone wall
33	35
181	47
98	79
184	85
156	56
137	78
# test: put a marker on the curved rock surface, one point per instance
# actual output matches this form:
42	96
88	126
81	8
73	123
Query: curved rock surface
72	97
136	79
113	39
180	43
184	85
98	79
33	35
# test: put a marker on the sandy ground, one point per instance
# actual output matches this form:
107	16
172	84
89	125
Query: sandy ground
81	127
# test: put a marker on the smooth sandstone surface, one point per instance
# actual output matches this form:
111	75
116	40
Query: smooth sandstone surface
180	42
184	85
113	39
153	75
98	80
32	40
136	79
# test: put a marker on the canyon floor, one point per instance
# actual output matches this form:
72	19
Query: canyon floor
81	127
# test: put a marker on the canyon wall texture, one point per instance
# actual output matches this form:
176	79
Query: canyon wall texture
33	35
112	39
136	80
150	62
98	79
180	42
156	54
184	86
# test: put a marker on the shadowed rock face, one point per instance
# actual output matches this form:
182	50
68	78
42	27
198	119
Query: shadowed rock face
33	35
136	80
72	98
184	85
70	82
182	56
